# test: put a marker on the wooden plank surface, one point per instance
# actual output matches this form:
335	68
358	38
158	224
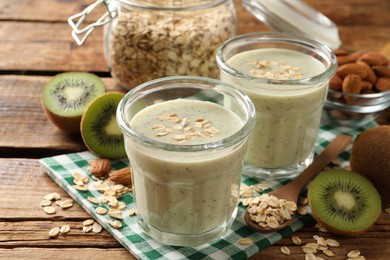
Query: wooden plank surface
24	224
47	45
35	44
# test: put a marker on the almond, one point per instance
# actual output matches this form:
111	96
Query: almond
352	68
374	58
335	82
99	167
122	176
382	71
383	84
365	85
341	52
351	85
349	58
371	76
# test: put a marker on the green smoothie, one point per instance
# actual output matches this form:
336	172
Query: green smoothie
186	192
287	116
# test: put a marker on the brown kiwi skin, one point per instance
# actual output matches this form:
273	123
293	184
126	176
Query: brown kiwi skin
70	125
370	157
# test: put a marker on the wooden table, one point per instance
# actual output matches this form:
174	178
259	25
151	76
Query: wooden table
35	44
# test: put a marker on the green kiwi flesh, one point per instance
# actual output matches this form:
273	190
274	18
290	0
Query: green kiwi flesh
99	129
344	202
66	96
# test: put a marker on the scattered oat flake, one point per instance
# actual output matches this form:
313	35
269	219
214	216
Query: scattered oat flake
296	240
88	222
115	223
96	228
323	229
310	256
93	200
308	249
54	232
81	187
45	203
360	257
327	252
353	253
245	241
285	250
332	242
49	196
67	204
87	229
49	210
101	210
65	229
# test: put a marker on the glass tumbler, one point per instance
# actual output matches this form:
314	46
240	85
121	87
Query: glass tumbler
286	77
186	140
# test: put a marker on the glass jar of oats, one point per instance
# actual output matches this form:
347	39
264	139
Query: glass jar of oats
149	39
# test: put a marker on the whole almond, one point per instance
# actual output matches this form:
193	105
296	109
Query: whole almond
383	84
365	85
341	52
99	167
382	71
351	85
371	76
344	59
352	68
335	82
122	176
374	58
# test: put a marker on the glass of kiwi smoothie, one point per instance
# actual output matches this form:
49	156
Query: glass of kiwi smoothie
286	77
186	138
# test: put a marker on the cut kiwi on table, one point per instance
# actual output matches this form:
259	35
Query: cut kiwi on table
99	129
66	95
344	202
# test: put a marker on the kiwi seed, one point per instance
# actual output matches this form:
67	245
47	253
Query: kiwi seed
344	202
66	95
99	129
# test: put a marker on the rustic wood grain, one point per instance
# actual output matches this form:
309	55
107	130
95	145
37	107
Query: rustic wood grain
24	224
25	130
48	46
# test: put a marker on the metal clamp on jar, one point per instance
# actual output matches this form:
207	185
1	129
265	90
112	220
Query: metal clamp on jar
147	39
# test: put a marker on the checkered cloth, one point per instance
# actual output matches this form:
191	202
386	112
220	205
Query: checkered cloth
60	169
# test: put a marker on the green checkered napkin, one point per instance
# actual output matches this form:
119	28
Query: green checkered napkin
60	169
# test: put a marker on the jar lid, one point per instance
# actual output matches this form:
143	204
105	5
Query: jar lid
294	16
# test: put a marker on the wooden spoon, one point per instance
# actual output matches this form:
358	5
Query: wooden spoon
291	191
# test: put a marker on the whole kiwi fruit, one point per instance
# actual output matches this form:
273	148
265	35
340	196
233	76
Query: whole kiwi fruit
99	129
370	157
344	202
65	97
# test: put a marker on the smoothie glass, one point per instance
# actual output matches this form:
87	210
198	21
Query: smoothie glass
286	77
186	193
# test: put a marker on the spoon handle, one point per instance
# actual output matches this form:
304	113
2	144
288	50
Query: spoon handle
320	162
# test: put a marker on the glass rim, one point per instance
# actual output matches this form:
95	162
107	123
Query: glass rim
278	37
176	9
223	88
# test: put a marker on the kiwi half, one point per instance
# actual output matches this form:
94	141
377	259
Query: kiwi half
344	202
66	95
99	129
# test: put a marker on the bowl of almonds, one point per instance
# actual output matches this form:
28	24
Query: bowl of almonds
360	89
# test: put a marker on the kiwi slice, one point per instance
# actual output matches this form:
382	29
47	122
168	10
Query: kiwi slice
99	129
66	95
344	202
